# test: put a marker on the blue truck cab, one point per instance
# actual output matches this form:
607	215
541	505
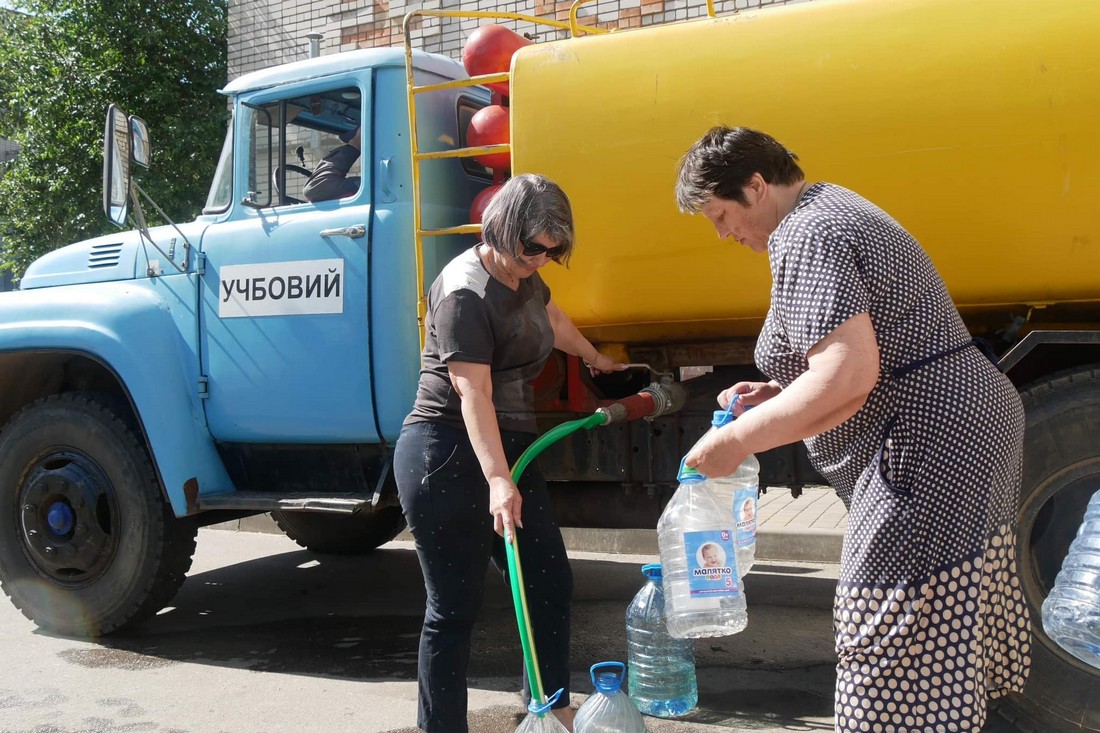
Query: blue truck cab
260	358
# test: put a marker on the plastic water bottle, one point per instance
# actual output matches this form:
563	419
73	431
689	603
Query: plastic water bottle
608	710
662	669
703	591
1071	613
739	493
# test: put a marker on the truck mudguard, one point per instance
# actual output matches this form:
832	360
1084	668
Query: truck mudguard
142	330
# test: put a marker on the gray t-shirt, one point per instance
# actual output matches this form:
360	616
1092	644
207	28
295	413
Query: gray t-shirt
475	318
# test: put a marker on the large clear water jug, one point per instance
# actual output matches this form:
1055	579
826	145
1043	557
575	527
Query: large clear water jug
661	670
703	591
1071	613
739	493
608	710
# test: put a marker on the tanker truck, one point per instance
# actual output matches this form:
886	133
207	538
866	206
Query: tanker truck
262	357
970	123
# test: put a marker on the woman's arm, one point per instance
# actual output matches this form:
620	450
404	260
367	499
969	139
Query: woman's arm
568	339
474	385
330	178
843	369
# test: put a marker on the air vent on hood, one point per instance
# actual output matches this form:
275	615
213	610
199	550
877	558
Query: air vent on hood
104	255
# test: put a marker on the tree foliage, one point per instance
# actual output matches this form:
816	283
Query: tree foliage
61	63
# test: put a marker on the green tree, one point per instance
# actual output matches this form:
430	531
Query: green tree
61	63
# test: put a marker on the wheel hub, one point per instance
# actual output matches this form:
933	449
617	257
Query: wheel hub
60	518
67	518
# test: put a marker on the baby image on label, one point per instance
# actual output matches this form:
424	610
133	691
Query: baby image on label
744	514
712	569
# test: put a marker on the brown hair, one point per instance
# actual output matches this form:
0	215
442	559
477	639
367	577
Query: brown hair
723	161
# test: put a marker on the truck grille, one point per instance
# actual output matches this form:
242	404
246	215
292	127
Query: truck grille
104	255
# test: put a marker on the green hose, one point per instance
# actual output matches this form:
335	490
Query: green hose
515	570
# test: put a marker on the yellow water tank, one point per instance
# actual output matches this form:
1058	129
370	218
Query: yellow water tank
975	124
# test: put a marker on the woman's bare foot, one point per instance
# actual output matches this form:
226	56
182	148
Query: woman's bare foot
565	717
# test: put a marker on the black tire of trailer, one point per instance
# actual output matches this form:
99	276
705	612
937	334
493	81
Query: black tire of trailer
88	544
341	534
1061	472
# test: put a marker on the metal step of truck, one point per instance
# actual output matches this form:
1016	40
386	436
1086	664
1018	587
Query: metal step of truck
270	501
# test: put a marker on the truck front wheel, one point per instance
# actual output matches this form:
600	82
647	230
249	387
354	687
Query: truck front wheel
341	534
1061	472
88	545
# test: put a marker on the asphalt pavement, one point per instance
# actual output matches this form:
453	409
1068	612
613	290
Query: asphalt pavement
265	637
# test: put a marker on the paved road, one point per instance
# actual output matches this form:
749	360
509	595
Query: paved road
268	638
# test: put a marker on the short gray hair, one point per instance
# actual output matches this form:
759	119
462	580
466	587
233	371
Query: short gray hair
525	207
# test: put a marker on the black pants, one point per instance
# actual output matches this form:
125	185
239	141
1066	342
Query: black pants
445	500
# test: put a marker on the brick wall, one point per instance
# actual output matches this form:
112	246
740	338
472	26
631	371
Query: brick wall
264	33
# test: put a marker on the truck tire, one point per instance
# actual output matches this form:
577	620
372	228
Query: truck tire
341	534
1061	472
88	545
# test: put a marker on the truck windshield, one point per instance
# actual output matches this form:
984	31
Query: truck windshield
221	190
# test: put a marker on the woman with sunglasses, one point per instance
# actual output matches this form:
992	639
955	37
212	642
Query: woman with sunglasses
490	328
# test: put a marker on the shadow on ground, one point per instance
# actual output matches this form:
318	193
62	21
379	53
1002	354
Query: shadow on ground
359	618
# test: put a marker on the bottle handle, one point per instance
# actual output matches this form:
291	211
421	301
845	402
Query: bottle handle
540	709
619	667
730	406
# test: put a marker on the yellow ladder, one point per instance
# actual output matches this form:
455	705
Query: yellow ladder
418	157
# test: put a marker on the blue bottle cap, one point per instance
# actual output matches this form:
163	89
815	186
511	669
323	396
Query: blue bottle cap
652	571
611	679
721	417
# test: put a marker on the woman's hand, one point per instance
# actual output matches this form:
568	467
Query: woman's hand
752	394
717	454
603	364
505	502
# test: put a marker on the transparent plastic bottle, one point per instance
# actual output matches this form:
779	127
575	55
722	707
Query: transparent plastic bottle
608	710
739	493
1071	613
661	679
703	591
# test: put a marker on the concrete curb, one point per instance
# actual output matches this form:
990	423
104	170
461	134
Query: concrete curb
800	545
786	544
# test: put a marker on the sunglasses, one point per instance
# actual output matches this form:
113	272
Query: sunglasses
530	249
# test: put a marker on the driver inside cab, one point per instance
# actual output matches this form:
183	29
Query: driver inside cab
330	180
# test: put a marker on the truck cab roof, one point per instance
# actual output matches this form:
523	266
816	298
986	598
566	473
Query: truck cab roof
341	62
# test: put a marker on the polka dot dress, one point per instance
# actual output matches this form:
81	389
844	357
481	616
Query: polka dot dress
929	618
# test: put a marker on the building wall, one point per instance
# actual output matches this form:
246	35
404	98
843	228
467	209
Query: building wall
8	151
265	33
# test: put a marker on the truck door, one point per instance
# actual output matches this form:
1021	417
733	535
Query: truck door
286	348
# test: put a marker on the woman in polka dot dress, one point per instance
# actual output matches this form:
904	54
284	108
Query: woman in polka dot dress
914	427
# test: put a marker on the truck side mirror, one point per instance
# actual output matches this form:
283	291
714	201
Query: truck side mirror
116	166
141	147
